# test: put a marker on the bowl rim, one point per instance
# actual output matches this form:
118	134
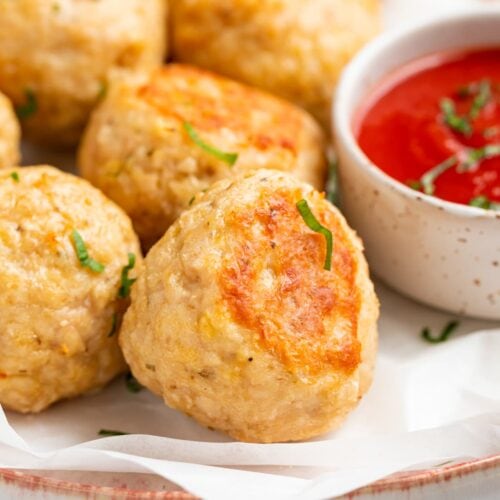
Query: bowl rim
342	118
398	482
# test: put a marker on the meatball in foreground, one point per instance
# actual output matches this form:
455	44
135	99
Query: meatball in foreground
63	287
9	134
293	48
152	146
57	56
236	322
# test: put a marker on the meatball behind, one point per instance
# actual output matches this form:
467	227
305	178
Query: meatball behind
57	57
293	48
60	318
10	134
140	150
235	321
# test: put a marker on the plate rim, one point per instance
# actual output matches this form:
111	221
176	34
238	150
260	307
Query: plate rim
399	481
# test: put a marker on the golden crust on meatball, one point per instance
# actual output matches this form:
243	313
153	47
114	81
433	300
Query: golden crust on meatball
145	146
235	321
10	134
60	311
57	57
312	301
293	48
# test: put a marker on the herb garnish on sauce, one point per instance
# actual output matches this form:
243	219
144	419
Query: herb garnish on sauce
484	202
83	255
427	180
482	97
472	158
229	158
313	224
457	123
462	124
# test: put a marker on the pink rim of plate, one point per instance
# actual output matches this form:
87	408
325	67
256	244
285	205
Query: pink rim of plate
397	482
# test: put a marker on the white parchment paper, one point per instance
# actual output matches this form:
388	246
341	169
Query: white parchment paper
429	404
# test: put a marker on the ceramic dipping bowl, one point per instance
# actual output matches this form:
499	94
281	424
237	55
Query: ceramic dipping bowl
440	253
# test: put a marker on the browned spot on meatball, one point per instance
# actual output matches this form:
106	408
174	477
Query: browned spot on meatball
210	102
304	315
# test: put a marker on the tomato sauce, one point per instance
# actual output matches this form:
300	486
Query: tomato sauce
440	116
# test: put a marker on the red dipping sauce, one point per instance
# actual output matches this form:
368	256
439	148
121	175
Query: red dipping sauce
440	116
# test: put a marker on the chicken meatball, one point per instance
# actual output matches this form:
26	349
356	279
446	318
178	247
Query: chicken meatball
243	321
9	134
293	48
67	258
152	145
56	57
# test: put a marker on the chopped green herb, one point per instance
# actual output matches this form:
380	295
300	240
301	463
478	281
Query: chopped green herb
229	158
313	224
103	90
427	180
151	367
126	282
191	200
472	158
29	107
452	120
83	255
416	185
443	336
332	184
484	202
132	384
481	99
475	156
108	432
480	202
114	324
15	176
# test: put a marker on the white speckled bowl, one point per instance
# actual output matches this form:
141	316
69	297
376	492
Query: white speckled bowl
443	254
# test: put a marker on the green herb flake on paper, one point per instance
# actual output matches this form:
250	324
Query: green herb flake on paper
449	328
132	384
